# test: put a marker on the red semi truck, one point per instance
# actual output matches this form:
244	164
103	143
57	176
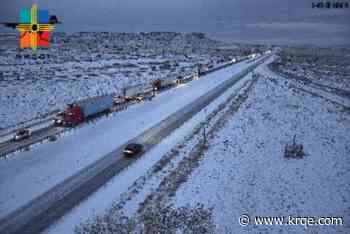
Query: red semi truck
78	112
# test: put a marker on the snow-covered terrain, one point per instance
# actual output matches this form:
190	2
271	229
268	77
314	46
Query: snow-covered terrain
227	161
139	175
329	68
82	65
244	172
46	165
240	169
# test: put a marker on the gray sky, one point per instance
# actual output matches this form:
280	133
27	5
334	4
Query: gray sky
266	21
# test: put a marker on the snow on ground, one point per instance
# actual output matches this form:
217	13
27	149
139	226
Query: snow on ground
136	194
40	169
82	65
242	170
329	68
139	173
336	96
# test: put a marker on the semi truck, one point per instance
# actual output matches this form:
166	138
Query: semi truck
160	84
80	111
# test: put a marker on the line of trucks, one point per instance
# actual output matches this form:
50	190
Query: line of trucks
90	108
81	111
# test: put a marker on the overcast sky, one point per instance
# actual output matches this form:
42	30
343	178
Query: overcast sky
254	21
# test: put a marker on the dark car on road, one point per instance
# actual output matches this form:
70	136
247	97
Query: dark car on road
133	149
21	134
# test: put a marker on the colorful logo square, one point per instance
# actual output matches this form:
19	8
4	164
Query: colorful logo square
34	28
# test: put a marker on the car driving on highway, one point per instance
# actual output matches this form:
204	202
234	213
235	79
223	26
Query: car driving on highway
21	134
133	149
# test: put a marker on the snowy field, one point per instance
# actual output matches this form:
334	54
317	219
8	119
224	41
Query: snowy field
244	172
83	65
327	67
204	186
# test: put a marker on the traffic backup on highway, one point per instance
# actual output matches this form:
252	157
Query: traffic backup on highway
90	109
174	117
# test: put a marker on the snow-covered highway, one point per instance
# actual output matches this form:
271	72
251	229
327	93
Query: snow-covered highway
48	165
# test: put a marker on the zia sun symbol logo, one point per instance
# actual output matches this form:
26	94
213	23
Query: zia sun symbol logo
35	27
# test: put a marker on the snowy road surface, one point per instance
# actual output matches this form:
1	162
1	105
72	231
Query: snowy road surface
47	208
241	171
36	136
31	173
103	199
